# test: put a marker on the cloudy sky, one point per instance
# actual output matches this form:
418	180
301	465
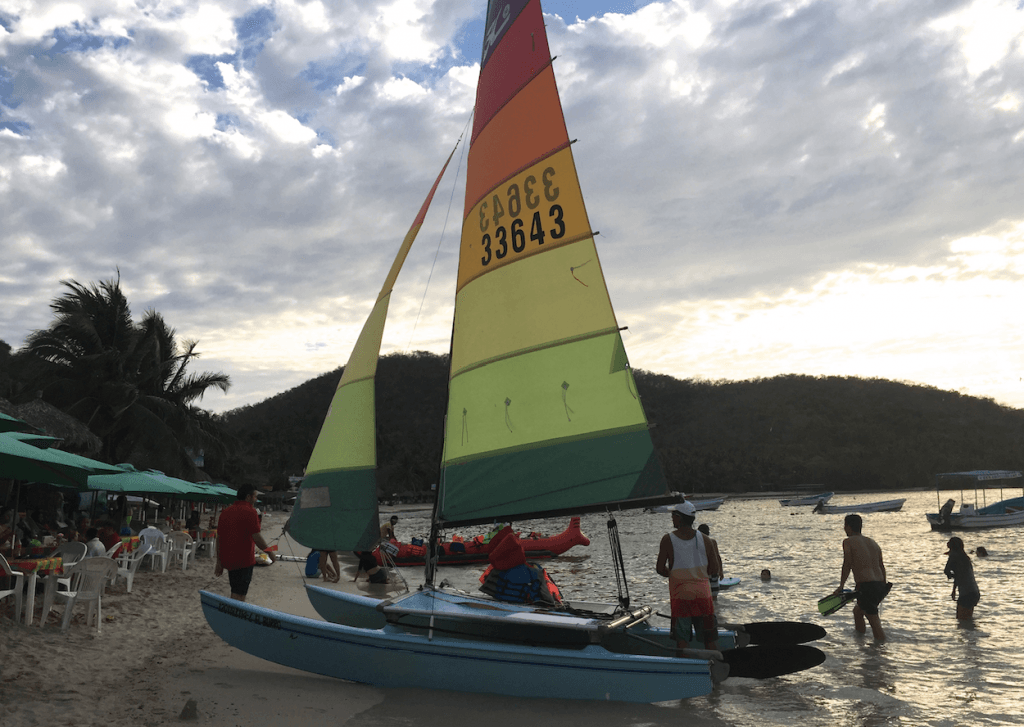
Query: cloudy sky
816	187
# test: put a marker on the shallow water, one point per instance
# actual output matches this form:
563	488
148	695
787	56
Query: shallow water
932	670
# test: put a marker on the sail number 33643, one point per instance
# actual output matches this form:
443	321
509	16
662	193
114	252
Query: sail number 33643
498	240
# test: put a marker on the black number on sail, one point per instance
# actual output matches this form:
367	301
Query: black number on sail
537	229
502	238
515	206
499	211
518	236
550	191
556	212
483	217
532	200
487	250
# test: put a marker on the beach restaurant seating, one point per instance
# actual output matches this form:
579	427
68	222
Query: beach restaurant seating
88	581
158	547
11	584
182	547
69	554
127	566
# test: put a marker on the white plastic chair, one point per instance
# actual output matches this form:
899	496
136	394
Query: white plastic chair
112	550
126	567
12	583
70	553
88	581
207	539
158	546
182	547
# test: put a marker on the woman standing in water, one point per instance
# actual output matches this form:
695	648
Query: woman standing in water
961	570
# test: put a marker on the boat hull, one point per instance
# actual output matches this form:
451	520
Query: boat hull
809	500
883	506
697	505
476	552
1006	513
389	657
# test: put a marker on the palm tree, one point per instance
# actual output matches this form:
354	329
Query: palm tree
129	383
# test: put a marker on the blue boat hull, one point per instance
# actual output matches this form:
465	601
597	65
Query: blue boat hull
393	658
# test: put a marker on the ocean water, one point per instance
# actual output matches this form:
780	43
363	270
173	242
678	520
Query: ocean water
932	669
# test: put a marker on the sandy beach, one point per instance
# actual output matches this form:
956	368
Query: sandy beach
156	653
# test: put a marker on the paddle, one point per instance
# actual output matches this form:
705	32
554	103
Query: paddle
772	633
764	662
778	633
830	604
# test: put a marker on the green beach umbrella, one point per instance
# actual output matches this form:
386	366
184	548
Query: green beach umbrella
153	482
20	460
10	424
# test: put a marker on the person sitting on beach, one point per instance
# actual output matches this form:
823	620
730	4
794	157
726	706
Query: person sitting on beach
387	530
368	563
94	546
329	566
109	535
961	570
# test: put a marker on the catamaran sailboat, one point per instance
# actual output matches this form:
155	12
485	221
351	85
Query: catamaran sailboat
543	420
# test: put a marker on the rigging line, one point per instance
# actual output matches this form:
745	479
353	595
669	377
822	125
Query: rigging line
444	228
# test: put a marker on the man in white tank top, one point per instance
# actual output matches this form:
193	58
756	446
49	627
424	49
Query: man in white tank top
688	559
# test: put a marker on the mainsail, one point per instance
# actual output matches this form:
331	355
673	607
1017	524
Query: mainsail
336	508
543	414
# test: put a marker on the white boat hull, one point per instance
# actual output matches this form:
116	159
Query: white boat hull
809	500
1006	513
883	506
698	505
394	658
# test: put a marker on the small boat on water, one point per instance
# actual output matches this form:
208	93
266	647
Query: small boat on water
975	511
711	504
807	499
881	506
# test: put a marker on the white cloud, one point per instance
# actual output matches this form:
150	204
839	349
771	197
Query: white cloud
824	188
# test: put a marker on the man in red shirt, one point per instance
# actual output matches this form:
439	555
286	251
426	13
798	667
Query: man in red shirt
237	532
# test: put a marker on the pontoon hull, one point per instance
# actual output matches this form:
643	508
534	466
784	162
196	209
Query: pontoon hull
388	657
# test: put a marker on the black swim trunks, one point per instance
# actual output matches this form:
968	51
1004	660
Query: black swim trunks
871	594
968	598
240	580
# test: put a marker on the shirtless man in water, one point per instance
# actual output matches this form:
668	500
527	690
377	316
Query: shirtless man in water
863	558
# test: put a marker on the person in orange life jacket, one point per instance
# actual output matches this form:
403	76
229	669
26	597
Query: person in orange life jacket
688	559
238	531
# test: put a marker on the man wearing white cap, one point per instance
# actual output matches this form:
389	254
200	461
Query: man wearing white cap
688	559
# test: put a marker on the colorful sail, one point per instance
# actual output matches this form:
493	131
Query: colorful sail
543	413
336	508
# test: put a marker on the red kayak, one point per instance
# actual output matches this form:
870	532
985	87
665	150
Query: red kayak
475	550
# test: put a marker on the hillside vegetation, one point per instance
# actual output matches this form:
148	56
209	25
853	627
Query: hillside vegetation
844	433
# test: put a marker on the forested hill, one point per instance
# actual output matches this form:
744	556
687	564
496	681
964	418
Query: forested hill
766	434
